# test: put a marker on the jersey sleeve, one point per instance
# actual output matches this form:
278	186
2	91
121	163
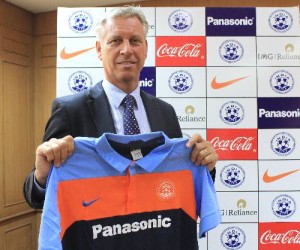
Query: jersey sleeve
49	235
206	200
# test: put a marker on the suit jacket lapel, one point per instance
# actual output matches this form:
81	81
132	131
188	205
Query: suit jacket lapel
100	111
152	111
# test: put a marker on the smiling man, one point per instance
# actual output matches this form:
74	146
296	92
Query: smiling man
122	47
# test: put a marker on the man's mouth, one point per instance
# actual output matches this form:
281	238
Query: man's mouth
126	62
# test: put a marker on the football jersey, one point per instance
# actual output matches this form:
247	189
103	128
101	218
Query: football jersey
128	192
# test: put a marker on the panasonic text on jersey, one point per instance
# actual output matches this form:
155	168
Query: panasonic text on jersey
134	227
230	22
279	113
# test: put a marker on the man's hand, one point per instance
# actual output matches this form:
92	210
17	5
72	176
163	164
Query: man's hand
54	150
203	152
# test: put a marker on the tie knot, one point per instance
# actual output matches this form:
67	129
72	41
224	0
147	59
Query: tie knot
129	101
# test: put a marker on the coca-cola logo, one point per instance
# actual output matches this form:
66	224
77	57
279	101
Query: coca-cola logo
240	143
290	237
186	50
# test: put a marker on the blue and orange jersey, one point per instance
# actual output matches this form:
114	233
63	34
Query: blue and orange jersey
128	192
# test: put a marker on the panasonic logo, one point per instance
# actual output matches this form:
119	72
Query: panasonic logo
279	114
134	227
230	22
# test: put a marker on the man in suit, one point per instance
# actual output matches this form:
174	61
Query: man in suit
122	48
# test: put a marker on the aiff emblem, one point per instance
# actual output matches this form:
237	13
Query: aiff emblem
181	82
232	113
233	238
280	21
80	21
79	81
283	206
282	81
283	144
180	20
231	51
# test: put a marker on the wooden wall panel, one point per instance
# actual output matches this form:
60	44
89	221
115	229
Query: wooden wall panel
45	82
18	235
17	120
17	221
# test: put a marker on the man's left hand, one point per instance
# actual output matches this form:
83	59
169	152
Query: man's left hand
203	152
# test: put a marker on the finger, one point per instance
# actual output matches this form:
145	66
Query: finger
56	151
70	144
202	157
193	140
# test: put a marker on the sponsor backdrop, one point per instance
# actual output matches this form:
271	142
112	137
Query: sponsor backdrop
232	74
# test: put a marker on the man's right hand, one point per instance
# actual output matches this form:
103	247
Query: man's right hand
53	151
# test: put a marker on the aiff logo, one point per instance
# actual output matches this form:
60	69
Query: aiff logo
283	206
282	81
231	51
283	144
180	20
181	82
233	238
79	81
232	113
280	21
80	21
232	175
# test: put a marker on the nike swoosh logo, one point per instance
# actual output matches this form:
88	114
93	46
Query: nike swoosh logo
67	55
87	203
219	85
268	178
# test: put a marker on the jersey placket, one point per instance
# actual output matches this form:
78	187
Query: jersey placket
131	188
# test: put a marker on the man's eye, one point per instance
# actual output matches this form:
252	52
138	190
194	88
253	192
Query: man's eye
115	41
135	41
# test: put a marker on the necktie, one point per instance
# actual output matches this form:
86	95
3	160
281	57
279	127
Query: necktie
131	125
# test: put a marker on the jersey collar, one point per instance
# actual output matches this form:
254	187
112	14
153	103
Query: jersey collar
149	162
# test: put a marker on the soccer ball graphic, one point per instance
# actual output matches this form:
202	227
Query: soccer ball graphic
282	83
232	114
79	83
280	21
233	239
231	51
283	144
283	206
232	175
80	23
181	82
180	21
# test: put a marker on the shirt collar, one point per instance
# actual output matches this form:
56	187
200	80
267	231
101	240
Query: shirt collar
116	95
120	163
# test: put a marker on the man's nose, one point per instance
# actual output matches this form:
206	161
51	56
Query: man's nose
126	47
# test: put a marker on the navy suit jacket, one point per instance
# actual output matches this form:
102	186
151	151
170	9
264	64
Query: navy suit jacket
88	114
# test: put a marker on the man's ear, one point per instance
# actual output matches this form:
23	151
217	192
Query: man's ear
98	50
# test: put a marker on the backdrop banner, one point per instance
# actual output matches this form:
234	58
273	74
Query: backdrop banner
232	75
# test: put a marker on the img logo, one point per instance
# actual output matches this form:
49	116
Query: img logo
233	238
283	206
232	113
180	20
282	81
232	175
181	82
79	81
231	51
283	144
280	21
80	21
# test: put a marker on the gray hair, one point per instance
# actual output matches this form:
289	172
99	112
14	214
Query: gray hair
125	12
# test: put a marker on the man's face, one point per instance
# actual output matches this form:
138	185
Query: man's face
123	51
